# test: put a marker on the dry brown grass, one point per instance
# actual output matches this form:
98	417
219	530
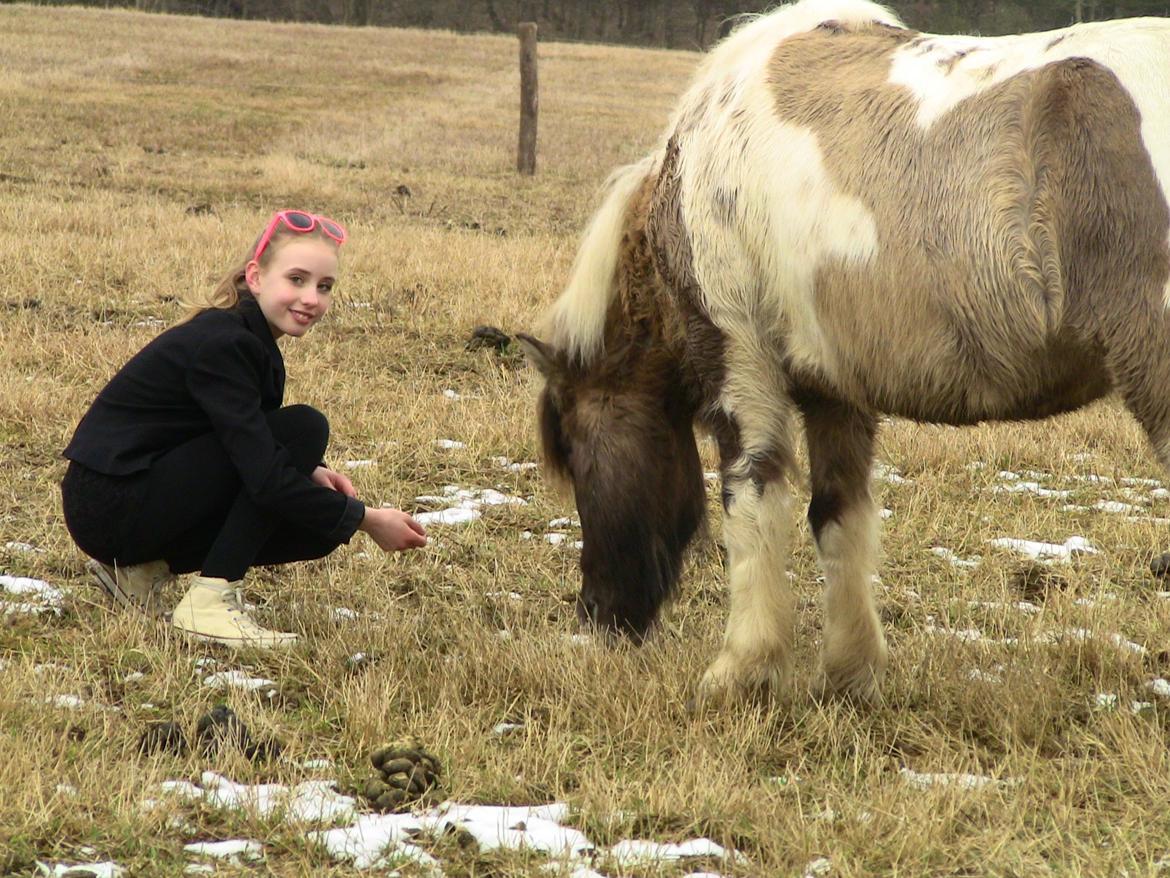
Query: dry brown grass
116	123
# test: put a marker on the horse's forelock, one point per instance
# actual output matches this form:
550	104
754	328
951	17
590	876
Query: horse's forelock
575	324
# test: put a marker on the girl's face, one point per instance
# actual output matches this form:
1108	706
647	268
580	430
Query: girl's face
295	289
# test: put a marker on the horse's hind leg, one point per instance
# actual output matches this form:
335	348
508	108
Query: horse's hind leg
754	431
844	523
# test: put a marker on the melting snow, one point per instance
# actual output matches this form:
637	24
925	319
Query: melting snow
360	464
947	555
465	504
47	598
886	473
313	801
454	515
236	680
24	548
641	851
1029	488
449	444
97	870
507	464
963	781
235	849
1060	552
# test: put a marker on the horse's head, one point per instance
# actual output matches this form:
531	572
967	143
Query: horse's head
620	432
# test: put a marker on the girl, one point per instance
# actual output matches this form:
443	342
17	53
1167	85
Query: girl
186	461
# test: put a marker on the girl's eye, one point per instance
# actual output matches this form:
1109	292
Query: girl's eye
296	279
325	289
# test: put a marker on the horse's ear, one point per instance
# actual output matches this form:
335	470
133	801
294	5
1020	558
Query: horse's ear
543	356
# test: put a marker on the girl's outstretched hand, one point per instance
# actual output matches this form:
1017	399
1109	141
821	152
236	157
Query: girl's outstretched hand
393	530
327	478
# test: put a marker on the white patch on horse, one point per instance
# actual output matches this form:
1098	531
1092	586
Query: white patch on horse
946	70
760	267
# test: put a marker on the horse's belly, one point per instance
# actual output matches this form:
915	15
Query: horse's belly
957	390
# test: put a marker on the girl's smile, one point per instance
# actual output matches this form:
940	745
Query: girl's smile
294	290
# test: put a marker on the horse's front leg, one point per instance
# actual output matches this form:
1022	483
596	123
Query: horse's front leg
844	522
757	466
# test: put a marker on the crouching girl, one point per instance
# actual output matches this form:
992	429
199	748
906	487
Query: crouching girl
187	461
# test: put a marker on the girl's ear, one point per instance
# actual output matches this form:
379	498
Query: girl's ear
252	276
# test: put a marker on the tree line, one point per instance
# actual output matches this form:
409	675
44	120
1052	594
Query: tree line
686	24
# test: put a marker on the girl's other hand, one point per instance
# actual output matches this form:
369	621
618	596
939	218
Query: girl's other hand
327	478
393	530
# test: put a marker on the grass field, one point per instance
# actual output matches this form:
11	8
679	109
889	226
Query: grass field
140	154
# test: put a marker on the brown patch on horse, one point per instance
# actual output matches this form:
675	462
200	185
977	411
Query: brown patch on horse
1047	167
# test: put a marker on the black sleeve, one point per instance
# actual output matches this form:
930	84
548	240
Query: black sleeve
225	380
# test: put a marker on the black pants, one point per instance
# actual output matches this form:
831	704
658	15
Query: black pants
190	509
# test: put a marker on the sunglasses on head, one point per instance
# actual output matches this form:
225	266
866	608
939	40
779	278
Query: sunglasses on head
300	221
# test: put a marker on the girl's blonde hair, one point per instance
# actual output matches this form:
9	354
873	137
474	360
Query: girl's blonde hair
234	283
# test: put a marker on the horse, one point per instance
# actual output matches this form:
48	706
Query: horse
845	219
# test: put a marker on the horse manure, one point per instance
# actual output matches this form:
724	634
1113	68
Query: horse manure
222	726
406	773
163	737
1034	581
488	337
1160	566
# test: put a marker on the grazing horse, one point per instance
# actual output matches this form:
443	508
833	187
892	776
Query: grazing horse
846	218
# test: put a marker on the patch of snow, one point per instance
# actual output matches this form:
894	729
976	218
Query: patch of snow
1160	687
925	781
107	869
1026	607
47	597
949	556
451	394
819	867
976	675
449	444
1116	507
343	614
360	464
311	801
636	851
374	840
233	849
236	680
454	515
1030	488
886	473
1036	551
23	548
507	728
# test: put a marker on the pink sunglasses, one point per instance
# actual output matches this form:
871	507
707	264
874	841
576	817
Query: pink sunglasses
300	221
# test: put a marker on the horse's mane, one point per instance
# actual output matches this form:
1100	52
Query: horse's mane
575	323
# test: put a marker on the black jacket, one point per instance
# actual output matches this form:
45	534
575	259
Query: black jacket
219	372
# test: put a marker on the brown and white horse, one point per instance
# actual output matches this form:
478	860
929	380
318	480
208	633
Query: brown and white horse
846	218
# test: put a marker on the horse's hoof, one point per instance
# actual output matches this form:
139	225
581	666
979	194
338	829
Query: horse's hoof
726	684
856	685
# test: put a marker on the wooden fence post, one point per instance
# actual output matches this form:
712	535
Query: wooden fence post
529	102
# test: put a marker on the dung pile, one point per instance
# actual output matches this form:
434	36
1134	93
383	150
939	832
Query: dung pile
406	774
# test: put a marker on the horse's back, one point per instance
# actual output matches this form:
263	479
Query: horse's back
943	227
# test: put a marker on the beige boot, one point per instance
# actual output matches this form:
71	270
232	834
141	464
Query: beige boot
211	610
135	587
